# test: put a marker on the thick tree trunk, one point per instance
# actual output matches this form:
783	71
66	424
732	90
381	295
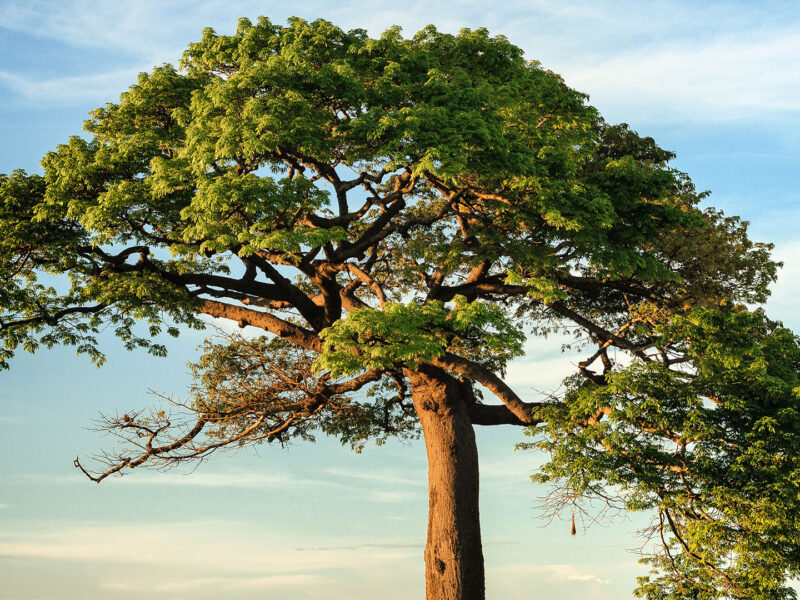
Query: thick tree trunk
453	554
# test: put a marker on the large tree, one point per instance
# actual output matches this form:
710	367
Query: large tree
398	215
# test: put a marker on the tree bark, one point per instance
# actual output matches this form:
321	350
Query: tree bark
453	553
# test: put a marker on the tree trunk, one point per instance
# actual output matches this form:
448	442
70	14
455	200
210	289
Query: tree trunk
453	553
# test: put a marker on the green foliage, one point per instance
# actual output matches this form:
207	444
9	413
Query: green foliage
37	310
716	260
229	213
406	335
378	203
383	412
713	448
179	168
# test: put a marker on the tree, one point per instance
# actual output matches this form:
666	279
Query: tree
398	215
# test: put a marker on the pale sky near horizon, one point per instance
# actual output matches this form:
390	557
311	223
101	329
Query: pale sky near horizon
717	82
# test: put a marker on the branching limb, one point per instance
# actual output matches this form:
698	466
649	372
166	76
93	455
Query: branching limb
247	316
369	281
522	411
488	414
561	309
52	318
245	392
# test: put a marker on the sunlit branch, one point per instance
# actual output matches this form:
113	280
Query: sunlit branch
246	316
521	410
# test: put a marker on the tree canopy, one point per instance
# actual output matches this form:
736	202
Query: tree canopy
399	216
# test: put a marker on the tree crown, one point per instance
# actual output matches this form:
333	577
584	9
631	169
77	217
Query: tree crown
379	206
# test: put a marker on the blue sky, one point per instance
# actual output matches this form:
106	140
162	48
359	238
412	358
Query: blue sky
717	82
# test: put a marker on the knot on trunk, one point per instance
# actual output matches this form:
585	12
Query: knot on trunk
440	566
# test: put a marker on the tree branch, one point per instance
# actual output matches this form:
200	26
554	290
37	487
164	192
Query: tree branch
521	410
247	316
494	414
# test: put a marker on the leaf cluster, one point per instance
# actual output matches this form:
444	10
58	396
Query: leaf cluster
406	335
711	448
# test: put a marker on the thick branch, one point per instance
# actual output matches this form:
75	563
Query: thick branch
310	311
493	414
481	287
521	410
354	384
246	316
282	290
369	281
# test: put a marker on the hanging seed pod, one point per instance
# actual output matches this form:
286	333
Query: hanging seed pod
572	530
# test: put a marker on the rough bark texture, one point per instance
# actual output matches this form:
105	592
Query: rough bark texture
453	554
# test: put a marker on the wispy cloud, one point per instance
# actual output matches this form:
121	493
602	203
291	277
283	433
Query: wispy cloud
64	91
402	545
514	468
662	60
395	496
186	557
384	476
198	478
536	377
383	488
134	28
208	584
216	480
556	572
387	486
191	544
569	573
783	302
739	77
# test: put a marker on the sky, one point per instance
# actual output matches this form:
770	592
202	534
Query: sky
716	82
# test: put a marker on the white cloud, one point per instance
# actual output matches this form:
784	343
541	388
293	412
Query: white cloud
662	61
742	77
557	572
384	476
224	480
783	304
197	545
93	89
